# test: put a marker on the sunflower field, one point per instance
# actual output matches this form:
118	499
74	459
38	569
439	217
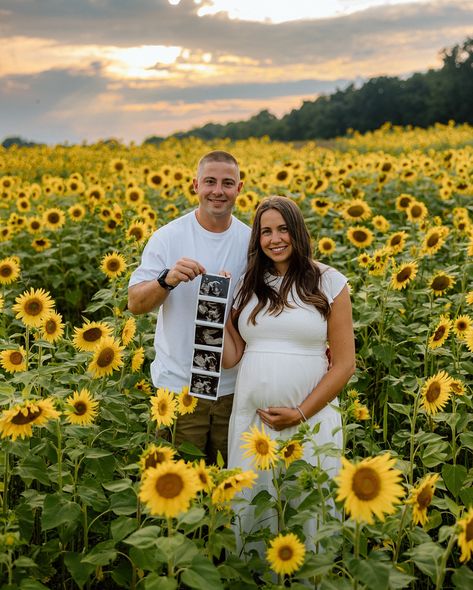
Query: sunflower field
95	495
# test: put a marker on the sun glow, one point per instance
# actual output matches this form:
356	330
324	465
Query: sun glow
145	61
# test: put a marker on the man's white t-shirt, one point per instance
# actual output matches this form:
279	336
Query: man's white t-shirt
174	336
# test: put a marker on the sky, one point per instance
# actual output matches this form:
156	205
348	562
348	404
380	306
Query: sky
84	70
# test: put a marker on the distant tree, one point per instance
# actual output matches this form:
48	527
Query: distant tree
18	141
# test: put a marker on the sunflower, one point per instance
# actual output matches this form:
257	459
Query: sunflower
441	333
441	283
144	386
34	225
163	407
107	357
465	536
154	180
285	554
204	475
82	408
396	242
19	420
138	231
469	297
231	485
186	402
364	260
113	265
14	360
291	451
434	239
259	447
54	218
421	498
457	387
469	339
41	244
380	223
2	302
52	327
134	196
360	411
403	202
321	205
76	212
436	392
326	246
128	332
416	212
155	455
137	359
33	307
360	236
169	488
89	336
9	270
355	210
461	325
369	487
403	275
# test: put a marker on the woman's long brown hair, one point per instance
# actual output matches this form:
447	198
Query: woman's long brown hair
303	273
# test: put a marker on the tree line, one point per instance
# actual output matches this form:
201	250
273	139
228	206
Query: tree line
421	100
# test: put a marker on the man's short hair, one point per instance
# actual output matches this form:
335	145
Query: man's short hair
217	156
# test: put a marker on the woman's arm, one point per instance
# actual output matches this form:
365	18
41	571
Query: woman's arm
233	345
342	352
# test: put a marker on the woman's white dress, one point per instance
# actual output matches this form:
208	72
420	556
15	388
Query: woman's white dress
284	359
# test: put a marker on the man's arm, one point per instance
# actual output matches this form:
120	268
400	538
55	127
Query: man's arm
148	295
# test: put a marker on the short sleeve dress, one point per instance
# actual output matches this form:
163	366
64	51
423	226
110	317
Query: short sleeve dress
284	359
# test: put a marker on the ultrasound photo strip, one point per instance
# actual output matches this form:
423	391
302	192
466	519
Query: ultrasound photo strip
208	336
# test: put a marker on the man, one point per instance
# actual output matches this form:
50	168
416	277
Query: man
207	240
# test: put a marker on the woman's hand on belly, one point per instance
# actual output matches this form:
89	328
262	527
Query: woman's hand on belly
279	418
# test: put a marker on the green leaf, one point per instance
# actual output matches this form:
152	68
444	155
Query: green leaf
144	538
118	486
401	409
155	582
101	554
373	574
79	571
187	448
122	527
33	467
202	575
399	579
96	453
318	564
454	476
169	546
124	503
24	561
194	516
466	496
29	584
427	558
463	578
58	511
466	439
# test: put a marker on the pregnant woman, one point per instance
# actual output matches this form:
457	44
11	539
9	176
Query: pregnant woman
287	308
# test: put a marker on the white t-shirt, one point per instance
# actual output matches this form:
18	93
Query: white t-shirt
174	336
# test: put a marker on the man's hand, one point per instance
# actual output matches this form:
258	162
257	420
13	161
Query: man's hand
183	271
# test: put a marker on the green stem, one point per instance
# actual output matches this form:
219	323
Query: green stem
400	535
6	481
171	573
279	506
59	456
443	563
412	439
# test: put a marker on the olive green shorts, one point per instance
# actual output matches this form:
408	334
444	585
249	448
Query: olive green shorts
207	427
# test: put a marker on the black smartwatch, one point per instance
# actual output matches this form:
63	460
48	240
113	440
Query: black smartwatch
162	280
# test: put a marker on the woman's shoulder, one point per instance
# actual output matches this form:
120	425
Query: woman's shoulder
332	280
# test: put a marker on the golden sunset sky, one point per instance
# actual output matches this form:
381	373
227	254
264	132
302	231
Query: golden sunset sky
83	70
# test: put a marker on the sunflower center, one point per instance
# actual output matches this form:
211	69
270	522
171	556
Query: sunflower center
439	333
433	240
404	202
404	274
433	392
6	271
105	357
461	326
359	235
76	213
289	451
395	240
440	283
425	497
469	531
355	211
162	408
113	264
169	485
154	459
92	334
136	233
262	447
53	218
35	225
366	484
20	419
187	400
33	307
50	326
416	211
203	477
80	408
285	553
16	358
282	175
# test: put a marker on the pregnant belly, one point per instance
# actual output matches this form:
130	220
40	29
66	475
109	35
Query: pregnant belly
276	379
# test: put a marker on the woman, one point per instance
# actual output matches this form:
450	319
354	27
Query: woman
286	309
